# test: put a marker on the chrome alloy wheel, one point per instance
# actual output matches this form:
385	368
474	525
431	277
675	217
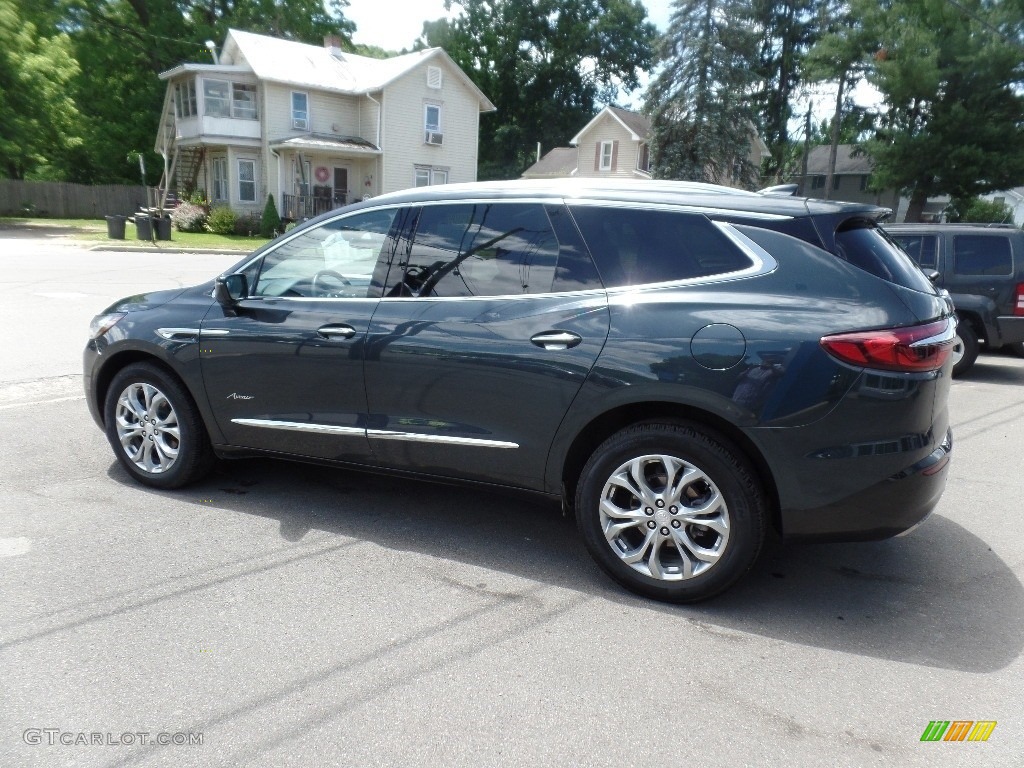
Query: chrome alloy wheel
147	428
958	349
664	518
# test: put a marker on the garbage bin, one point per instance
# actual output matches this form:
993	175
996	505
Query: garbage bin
162	225
143	226
115	227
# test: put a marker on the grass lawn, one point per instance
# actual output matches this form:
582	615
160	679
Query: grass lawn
96	230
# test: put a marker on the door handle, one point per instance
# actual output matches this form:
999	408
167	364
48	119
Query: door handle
336	331
556	340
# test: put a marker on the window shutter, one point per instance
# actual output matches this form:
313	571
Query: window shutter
434	77
597	156
615	154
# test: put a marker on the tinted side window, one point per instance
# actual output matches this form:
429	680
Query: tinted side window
862	244
484	249
921	248
632	246
982	255
335	259
576	270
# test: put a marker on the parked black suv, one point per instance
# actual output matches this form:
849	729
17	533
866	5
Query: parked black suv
676	362
982	267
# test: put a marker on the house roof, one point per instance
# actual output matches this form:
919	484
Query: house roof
847	163
316	141
556	164
639	126
314	66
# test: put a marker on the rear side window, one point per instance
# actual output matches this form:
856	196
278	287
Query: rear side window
982	255
479	249
633	246
863	244
921	248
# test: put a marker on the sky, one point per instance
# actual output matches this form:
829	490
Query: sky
395	24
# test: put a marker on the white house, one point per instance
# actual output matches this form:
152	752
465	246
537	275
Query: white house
315	126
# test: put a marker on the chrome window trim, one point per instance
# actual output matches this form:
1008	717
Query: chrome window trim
297	426
416	437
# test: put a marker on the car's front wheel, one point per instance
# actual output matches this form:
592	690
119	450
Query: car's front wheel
671	511
154	427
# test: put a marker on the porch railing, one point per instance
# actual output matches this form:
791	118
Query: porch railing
296	207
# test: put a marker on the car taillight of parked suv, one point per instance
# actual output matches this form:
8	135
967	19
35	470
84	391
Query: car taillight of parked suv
684	366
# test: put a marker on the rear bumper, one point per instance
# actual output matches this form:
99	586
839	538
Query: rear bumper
1011	328
888	508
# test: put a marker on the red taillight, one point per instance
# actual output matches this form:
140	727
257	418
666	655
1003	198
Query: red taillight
917	348
1018	304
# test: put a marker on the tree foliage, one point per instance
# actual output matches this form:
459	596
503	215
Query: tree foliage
980	211
700	105
952	77
36	114
544	64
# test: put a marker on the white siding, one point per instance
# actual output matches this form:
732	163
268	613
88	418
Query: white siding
607	129
403	134
329	113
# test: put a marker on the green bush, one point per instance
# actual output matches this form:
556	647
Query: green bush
979	211
248	224
271	222
221	220
189	217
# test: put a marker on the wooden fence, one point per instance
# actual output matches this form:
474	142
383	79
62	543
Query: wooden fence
61	200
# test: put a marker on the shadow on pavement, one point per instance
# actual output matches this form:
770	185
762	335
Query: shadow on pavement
939	597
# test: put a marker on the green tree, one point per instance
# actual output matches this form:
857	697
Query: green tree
544	64
36	114
979	210
952	74
700	105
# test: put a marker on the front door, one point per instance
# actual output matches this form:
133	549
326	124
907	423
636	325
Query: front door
341	187
284	368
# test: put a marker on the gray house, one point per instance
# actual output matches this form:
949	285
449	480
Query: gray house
315	126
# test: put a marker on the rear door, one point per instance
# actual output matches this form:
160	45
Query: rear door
489	324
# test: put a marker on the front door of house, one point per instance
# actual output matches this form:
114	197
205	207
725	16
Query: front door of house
340	186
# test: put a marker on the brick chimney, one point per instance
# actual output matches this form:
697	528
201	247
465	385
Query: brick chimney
333	44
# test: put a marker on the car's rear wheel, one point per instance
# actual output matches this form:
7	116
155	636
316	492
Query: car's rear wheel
1017	348
671	511
965	348
155	429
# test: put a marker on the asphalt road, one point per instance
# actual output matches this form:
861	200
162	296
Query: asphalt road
288	615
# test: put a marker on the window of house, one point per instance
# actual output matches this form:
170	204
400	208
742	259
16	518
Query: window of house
817	182
865	180
426	176
835	181
300	111
606	156
217	98
982	255
243	101
432	124
247	181
220	179
185	98
487	249
643	158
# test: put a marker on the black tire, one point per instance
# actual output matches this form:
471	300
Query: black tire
966	345
193	455
1017	348
722	468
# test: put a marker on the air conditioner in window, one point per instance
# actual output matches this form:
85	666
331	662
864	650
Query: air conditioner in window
300	124
435	138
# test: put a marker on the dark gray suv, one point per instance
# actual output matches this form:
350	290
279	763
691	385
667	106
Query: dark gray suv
682	365
982	267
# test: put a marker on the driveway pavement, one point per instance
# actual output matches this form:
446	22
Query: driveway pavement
288	615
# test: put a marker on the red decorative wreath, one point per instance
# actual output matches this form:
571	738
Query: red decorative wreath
322	174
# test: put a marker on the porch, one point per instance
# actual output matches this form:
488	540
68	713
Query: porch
298	207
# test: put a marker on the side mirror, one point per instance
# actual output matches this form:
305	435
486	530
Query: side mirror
231	289
931	274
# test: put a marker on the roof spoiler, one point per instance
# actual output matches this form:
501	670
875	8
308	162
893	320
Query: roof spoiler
786	190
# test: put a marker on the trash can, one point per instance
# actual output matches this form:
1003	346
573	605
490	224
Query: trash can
115	227
162	225
143	226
